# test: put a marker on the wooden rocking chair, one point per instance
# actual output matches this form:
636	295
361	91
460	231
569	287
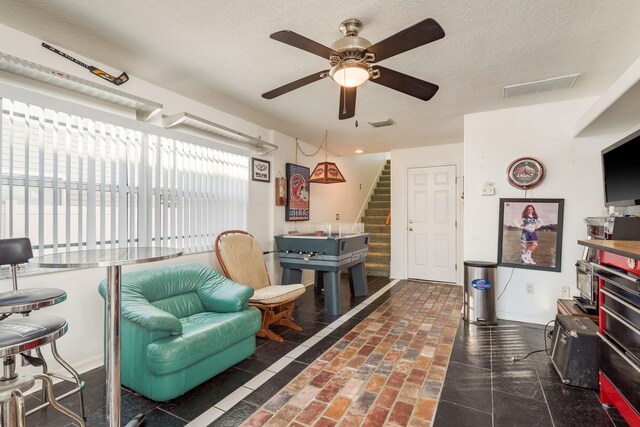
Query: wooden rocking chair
240	257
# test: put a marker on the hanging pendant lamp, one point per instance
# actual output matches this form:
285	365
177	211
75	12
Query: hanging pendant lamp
326	172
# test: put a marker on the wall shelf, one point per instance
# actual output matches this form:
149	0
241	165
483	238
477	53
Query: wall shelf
144	108
233	136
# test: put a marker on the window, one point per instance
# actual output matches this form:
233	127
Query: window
68	182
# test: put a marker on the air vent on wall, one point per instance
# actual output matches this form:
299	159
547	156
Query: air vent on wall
546	85
382	124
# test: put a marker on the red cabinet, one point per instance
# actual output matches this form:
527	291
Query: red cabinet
618	272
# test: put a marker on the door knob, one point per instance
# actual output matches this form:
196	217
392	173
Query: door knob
410	221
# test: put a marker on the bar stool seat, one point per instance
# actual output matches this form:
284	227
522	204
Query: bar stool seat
25	300
26	333
16	336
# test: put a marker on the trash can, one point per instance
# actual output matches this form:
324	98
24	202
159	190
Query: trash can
480	292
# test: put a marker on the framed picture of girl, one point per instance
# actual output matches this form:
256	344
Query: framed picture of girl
530	233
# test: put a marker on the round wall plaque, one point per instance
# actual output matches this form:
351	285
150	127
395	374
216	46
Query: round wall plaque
525	173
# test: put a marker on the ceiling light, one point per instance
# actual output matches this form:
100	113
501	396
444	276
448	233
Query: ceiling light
350	74
359	151
145	109
190	120
325	172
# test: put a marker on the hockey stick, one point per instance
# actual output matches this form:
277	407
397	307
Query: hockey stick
123	78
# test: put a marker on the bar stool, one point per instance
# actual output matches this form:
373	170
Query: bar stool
17	335
23	301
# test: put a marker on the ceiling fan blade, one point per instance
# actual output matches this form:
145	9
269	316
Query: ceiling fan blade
295	85
417	35
301	42
405	84
347	102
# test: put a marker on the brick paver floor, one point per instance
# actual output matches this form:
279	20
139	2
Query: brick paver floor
388	370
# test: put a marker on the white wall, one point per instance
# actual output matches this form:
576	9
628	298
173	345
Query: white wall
82	346
326	200
401	161
492	140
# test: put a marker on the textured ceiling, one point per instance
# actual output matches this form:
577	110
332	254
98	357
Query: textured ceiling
220	53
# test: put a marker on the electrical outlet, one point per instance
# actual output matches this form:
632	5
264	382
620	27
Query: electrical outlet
530	288
337	217
565	292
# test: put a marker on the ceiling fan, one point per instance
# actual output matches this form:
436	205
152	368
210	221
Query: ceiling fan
354	59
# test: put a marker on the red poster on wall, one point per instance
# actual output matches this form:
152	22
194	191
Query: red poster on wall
297	208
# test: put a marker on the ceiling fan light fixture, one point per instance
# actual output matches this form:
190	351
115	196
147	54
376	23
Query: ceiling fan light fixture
350	74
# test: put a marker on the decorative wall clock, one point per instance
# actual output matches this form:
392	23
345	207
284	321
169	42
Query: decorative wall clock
525	173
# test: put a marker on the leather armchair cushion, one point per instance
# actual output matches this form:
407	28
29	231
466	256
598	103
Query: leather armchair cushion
203	334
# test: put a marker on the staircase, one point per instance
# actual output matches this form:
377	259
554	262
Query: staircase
378	209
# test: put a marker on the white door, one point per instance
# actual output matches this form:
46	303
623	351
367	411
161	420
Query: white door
431	223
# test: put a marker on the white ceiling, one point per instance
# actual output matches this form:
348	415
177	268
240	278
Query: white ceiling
219	53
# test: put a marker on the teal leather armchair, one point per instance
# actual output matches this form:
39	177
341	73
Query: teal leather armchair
180	326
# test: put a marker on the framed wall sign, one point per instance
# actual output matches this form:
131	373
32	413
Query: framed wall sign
525	173
260	170
297	207
281	190
530	233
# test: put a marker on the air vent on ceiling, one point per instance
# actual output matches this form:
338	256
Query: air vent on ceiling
555	83
382	124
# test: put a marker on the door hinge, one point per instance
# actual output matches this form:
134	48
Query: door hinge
456	223
456	267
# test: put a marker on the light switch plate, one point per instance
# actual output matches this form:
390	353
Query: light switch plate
488	191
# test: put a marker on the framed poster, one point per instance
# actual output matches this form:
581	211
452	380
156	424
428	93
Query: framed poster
530	233
260	170
297	207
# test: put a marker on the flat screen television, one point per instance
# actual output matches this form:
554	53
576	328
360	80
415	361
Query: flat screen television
621	172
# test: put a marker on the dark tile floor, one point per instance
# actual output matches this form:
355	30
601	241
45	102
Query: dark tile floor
180	411
484	387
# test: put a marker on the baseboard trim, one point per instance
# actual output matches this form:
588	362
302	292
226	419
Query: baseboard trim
518	317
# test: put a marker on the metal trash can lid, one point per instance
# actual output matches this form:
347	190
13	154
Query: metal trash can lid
485	264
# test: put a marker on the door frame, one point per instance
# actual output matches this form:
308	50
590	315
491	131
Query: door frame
459	206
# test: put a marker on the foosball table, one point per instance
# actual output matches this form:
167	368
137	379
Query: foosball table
327	254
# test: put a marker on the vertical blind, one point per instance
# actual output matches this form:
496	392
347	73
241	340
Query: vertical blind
68	182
